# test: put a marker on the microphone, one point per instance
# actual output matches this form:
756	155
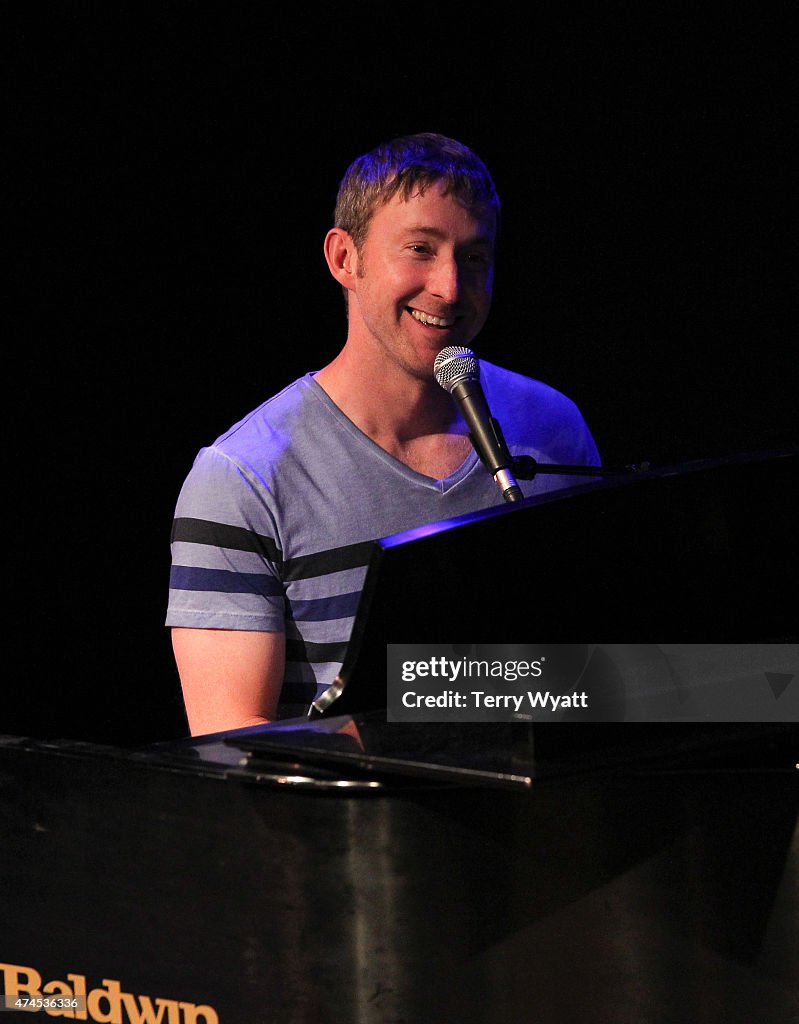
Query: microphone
457	370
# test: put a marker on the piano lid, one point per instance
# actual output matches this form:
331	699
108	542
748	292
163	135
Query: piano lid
367	746
367	752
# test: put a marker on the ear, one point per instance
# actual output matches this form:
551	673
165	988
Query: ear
341	256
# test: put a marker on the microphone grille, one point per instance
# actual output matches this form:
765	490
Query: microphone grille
454	364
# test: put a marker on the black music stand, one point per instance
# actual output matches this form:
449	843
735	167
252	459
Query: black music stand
691	552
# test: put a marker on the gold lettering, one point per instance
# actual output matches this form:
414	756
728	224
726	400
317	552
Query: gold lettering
146	1014
14	986
190	1013
110	995
174	1010
58	988
103	1005
79	989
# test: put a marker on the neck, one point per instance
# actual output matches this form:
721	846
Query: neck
411	418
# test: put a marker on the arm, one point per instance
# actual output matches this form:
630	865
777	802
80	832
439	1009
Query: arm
230	678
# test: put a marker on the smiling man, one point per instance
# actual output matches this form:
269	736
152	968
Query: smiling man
273	523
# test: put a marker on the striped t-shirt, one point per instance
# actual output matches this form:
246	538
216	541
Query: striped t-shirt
274	523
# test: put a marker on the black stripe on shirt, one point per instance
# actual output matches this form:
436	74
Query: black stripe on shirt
322	563
301	567
220	535
299	650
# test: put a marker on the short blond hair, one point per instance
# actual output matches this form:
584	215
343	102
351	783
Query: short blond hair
409	165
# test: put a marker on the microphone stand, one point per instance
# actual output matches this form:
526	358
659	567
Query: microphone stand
457	370
525	467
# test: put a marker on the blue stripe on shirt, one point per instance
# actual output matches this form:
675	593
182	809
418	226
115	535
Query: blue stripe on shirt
322	609
222	581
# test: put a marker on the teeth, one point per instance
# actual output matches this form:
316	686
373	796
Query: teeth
433	321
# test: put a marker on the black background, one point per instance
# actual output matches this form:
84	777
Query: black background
173	172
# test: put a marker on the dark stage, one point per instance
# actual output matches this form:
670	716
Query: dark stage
173	174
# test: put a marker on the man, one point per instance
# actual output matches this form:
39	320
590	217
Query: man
273	523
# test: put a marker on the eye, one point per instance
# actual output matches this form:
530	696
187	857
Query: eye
477	260
420	248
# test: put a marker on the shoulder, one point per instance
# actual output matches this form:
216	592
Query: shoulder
516	391
246	450
271	420
266	449
536	418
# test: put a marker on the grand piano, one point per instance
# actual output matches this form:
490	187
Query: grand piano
640	864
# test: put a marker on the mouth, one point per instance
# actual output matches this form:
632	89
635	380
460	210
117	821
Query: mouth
441	323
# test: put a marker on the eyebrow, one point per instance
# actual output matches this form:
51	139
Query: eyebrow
423	229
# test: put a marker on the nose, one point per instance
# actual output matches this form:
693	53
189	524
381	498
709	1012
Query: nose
444	279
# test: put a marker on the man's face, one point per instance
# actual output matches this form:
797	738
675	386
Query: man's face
424	279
